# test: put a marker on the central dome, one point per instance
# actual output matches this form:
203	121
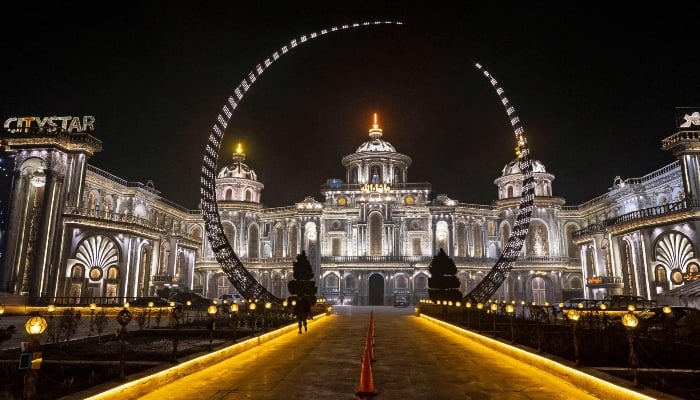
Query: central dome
376	143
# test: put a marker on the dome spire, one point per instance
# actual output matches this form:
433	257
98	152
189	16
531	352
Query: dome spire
375	132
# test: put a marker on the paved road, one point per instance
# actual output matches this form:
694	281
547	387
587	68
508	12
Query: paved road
414	360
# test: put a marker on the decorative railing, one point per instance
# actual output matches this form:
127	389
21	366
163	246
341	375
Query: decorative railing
684	204
126	219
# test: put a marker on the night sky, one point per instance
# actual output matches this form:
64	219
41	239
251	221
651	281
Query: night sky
595	87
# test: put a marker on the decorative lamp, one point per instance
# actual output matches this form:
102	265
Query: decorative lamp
35	325
93	306
211	310
629	320
667	309
510	308
234	308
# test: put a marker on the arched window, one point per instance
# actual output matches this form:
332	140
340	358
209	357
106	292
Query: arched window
293	235
660	274
145	268
539	290
350	283
441	237
229	194
571	246
478	241
505	234
375	234
164	256
509	192
248	195
277	285
421	282
222	285
253	245
352	175
279	241
537	239
330	283
375	174
461	240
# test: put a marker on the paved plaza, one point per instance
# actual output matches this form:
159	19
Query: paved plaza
415	359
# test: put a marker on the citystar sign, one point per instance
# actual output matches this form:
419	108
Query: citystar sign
67	123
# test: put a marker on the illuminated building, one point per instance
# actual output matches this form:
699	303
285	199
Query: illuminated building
78	231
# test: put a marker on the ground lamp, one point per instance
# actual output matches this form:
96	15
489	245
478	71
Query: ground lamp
211	310
574	315
630	321
510	309
34	326
93	306
123	318
494	308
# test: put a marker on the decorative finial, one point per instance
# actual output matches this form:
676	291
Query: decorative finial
375	132
239	149
375	125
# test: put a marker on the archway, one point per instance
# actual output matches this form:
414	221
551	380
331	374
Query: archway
376	290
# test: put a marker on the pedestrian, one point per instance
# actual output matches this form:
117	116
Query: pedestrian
302	309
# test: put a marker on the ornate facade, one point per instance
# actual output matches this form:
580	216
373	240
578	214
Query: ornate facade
79	232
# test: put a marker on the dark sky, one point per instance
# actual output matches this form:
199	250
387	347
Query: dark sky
595	85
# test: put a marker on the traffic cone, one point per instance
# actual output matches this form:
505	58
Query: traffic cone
370	346
366	387
370	333
371	321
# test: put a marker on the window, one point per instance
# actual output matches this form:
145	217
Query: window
375	234
335	247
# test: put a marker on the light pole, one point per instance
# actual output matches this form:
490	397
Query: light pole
123	318
630	321
93	306
510	309
211	310
51	333
469	309
266	315
150	307
234	315
176	313
574	315
251	308
494	308
479	306
34	326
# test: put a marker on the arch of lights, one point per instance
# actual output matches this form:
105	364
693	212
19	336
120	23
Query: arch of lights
244	282
493	280
232	266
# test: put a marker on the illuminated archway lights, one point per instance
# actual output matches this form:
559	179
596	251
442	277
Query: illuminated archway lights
244	282
490	284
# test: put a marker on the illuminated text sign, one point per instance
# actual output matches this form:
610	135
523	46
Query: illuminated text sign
66	123
375	187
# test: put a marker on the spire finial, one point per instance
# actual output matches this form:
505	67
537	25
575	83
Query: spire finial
376	124
375	132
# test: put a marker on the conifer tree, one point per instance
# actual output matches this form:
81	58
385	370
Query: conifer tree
443	283
303	284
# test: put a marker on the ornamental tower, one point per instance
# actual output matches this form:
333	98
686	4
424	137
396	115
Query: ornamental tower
48	178
237	181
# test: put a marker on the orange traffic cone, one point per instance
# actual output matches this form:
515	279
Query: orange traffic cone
371	321
366	387
369	345
370	334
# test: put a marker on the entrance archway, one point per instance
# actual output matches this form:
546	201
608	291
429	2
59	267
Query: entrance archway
376	290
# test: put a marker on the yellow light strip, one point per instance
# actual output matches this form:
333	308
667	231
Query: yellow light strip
596	386
136	388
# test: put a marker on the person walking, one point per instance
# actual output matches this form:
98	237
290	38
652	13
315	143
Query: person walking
302	309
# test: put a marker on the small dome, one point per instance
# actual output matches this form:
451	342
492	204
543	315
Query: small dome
513	167
238	169
376	145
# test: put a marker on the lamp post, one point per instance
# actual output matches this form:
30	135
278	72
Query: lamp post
52	334
211	310
188	303
93	306
150	307
574	315
233	314
479	306
604	307
266	315
510	309
34	326
494	308
630	321
469	309
176	314
251	308
123	318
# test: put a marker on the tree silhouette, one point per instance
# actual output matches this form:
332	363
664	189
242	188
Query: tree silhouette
443	283
303	284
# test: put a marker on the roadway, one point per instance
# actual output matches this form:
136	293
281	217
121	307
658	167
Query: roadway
414	360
